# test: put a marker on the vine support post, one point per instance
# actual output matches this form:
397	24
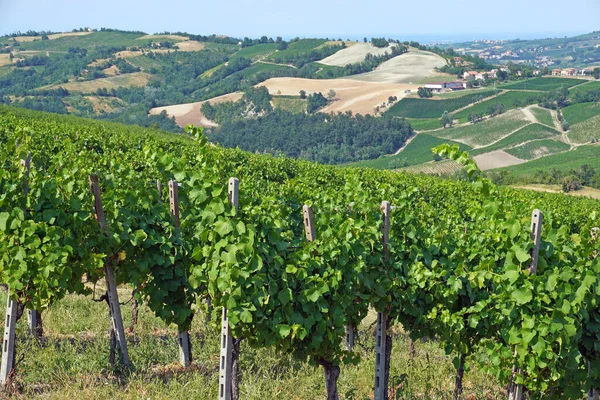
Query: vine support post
225	366
537	218
349	337
383	342
183	337
33	317
8	344
109	273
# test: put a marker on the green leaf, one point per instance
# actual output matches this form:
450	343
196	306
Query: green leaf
284	330
521	255
522	296
223	227
3	220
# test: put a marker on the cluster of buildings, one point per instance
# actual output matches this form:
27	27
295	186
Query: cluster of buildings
438	87
572	71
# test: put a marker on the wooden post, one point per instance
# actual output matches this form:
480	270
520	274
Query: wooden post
8	344
225	370
349	337
381	373
309	223
183	338
516	391
111	283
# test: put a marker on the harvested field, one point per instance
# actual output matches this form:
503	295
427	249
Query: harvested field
5	60
496	159
190	45
111	71
126	80
351	95
354	54
416	66
189	113
586	191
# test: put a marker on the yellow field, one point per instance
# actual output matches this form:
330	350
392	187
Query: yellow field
127	80
586	191
5	60
24	39
163	37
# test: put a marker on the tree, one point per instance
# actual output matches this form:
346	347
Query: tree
365	40
596	73
331	94
474	118
302	94
424	93
565	125
392	99
447	119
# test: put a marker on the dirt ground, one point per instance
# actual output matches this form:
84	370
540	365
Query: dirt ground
351	95
354	54
413	67
190	113
190	45
496	159
111	71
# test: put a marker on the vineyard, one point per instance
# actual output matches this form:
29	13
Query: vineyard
292	257
423	108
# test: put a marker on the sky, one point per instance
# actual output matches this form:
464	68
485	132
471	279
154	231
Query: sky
414	19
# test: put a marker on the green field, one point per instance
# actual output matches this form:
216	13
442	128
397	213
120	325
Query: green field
529	132
586	131
290	103
580	112
256	51
327	71
89	42
486	132
145	63
299	47
6	70
544	84
426	108
564	161
425	124
543	115
458	93
538	148
507	99
591	85
418	151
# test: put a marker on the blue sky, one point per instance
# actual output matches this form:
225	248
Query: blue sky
310	18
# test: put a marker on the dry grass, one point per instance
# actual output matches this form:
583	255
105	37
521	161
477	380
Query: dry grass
351	95
190	45
190	114
496	159
136	79
112	71
5	60
106	104
586	191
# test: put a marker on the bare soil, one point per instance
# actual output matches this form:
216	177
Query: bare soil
189	113
126	80
354	54
496	159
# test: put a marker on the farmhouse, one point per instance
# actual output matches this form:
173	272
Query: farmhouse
569	72
456	85
556	72
435	86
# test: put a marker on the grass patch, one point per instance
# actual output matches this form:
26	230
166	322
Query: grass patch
529	132
328	71
507	99
543	115
290	103
543	84
537	149
486	132
573	159
425	124
145	63
581	112
459	93
418	151
586	131
72	362
425	108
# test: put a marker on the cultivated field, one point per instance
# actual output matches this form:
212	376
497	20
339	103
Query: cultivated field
562	161
426	108
413	67
538	148
26	39
496	159
544	84
158	38
190	45
530	132
486	132
186	114
543	115
136	79
354	54
508	99
585	192
106	104
581	112
444	167
351	95
585	131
